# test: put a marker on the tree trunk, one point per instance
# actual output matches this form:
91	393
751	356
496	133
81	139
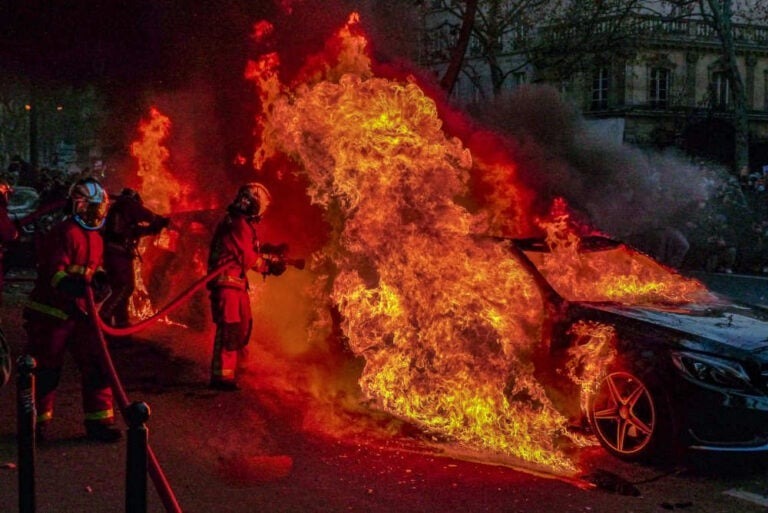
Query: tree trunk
448	82
723	21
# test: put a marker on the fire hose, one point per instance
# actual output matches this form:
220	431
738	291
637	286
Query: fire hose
153	466
173	305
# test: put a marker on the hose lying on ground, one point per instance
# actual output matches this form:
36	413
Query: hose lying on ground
153	466
121	398
173	305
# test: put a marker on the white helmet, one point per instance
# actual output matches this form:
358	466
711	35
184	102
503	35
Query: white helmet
252	200
89	203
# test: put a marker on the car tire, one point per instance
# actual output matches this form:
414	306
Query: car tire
630	417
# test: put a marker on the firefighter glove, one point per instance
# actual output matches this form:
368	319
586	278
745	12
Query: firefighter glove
100	285
274	249
158	223
276	267
73	285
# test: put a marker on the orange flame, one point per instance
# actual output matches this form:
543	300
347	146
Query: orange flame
446	321
261	30
159	187
164	194
590	355
620	275
443	321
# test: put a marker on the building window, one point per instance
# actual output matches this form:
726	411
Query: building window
518	78
765	90
658	88
600	89
721	90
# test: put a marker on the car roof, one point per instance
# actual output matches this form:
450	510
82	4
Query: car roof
23	188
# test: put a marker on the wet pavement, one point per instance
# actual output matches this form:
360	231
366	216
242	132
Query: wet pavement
256	450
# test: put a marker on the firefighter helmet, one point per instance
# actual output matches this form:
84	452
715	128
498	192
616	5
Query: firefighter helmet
5	192
252	200
89	203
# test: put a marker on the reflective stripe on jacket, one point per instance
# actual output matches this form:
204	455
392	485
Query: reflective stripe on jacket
68	249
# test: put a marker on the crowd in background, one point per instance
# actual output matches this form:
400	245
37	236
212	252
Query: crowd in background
729	233
50	183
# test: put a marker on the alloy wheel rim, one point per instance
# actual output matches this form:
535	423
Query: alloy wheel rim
624	413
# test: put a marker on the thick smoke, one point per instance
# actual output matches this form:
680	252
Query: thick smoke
623	191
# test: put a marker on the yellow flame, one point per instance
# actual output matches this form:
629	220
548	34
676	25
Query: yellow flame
591	354
620	275
444	321
159	187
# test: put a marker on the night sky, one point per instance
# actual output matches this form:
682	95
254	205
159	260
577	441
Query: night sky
131	42
132	50
162	43
138	50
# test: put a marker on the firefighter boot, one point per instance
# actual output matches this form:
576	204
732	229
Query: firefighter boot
101	432
41	432
224	385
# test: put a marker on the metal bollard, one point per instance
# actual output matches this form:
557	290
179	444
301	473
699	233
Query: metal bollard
25	432
137	414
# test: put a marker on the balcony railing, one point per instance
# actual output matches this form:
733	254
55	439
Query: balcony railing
440	39
655	27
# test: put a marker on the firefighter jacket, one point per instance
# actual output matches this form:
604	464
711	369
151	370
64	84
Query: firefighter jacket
235	240
127	221
68	251
8	231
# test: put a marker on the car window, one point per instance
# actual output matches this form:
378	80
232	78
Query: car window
23	201
615	274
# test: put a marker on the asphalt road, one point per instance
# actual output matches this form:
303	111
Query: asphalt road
256	450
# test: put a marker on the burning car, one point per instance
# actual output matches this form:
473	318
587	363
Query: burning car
679	371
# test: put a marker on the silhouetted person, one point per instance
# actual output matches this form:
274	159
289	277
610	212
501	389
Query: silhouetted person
8	231
127	222
235	245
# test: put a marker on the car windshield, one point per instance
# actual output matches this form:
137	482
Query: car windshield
599	269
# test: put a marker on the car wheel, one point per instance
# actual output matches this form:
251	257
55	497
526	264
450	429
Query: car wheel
629	420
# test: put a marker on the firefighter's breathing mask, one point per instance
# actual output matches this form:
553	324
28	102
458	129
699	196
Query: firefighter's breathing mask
252	200
89	203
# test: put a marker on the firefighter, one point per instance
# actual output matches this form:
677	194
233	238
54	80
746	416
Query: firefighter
128	220
8	231
56	314
235	244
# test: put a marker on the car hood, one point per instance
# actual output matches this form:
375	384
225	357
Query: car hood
737	325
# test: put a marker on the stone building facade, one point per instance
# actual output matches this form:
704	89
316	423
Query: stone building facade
673	90
668	88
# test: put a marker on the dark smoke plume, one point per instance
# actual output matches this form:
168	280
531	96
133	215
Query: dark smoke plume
624	191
